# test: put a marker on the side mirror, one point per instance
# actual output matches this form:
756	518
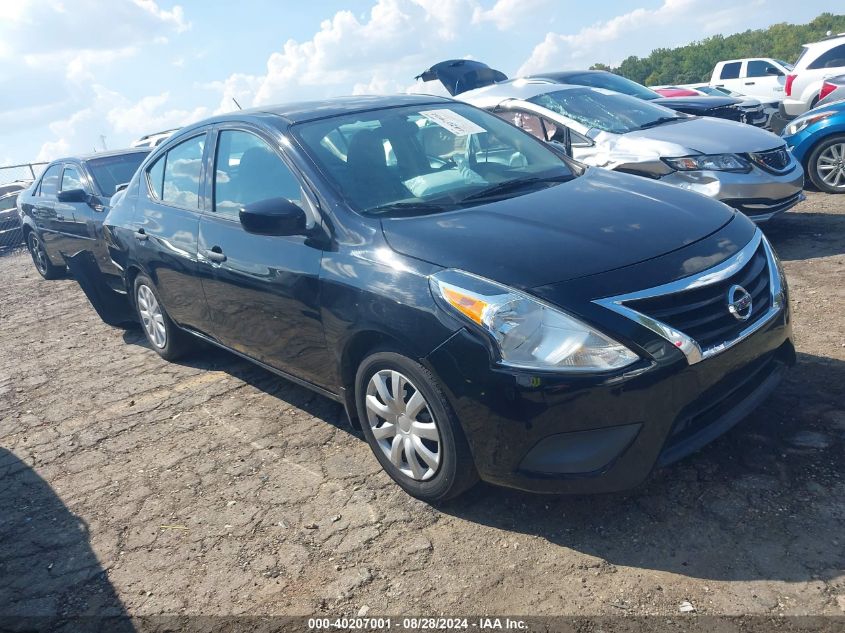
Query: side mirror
771	70
120	187
72	195
276	216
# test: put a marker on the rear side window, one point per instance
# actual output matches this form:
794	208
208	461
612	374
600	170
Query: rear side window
50	181
175	177
247	170
730	71
759	68
834	58
8	201
71	179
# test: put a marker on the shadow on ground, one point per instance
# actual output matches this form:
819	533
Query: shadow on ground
801	236
50	575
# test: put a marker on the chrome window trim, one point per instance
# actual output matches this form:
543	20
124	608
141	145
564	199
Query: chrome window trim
689	346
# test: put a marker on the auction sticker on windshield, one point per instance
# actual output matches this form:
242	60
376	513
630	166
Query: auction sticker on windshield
453	122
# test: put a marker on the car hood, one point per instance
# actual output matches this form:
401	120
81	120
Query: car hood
706	135
702	104
595	223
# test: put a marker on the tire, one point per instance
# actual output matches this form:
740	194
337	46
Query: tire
163	335
827	160
42	262
431	480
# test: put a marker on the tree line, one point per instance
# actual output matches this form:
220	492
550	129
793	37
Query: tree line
694	62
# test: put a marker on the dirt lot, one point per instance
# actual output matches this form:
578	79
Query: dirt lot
213	487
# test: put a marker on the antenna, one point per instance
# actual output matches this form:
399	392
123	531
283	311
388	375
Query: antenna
237	104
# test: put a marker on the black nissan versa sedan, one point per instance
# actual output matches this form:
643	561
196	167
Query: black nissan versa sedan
482	305
62	212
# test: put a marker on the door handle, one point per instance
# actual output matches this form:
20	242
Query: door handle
749	83
141	235
215	255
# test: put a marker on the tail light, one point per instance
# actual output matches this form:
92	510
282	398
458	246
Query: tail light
787	87
827	88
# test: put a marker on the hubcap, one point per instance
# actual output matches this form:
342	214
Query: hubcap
831	165
151	317
403	425
36	252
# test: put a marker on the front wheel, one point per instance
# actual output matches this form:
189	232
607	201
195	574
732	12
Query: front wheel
162	333
411	427
826	165
40	258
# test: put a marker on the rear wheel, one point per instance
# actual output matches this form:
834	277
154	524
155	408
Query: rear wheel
411	428
39	257
165	337
826	165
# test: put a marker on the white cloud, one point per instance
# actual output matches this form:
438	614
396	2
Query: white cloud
48	34
633	33
506	13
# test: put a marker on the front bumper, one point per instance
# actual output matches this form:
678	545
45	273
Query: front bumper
580	434
759	194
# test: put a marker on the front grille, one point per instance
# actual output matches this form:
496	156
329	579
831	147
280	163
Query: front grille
702	313
774	160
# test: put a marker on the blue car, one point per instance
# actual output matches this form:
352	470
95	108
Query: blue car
817	140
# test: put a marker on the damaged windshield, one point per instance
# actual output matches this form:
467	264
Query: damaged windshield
605	110
425	159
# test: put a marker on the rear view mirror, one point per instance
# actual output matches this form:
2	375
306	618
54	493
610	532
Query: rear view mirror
771	70
276	216
72	195
562	137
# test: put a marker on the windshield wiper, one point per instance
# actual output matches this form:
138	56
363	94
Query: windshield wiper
513	185
660	121
410	207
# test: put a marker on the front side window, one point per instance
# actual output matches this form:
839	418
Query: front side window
834	58
760	68
180	173
50	181
9	201
731	70
606	111
426	158
247	170
529	122
71	179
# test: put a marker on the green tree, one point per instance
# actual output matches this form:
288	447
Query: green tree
694	62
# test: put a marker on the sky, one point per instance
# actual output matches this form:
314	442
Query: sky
81	75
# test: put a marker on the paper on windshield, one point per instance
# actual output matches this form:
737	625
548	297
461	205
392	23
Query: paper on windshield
453	122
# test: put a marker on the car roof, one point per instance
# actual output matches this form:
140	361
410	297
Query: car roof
523	89
103	154
299	112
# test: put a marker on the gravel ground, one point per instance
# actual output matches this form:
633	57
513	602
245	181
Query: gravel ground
130	485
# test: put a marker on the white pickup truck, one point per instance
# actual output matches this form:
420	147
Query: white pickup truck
760	77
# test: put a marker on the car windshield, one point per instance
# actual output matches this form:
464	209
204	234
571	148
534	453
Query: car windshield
429	158
609	81
606	111
111	171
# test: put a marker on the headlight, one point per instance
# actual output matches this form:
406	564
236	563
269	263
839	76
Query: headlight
799	124
710	162
528	333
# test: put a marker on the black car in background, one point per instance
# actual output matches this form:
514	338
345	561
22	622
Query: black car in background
62	212
482	305
460	75
10	222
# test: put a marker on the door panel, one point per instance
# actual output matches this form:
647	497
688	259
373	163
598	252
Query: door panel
264	297
74	218
166	232
44	213
262	291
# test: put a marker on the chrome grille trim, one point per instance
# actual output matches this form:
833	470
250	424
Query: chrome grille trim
689	346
